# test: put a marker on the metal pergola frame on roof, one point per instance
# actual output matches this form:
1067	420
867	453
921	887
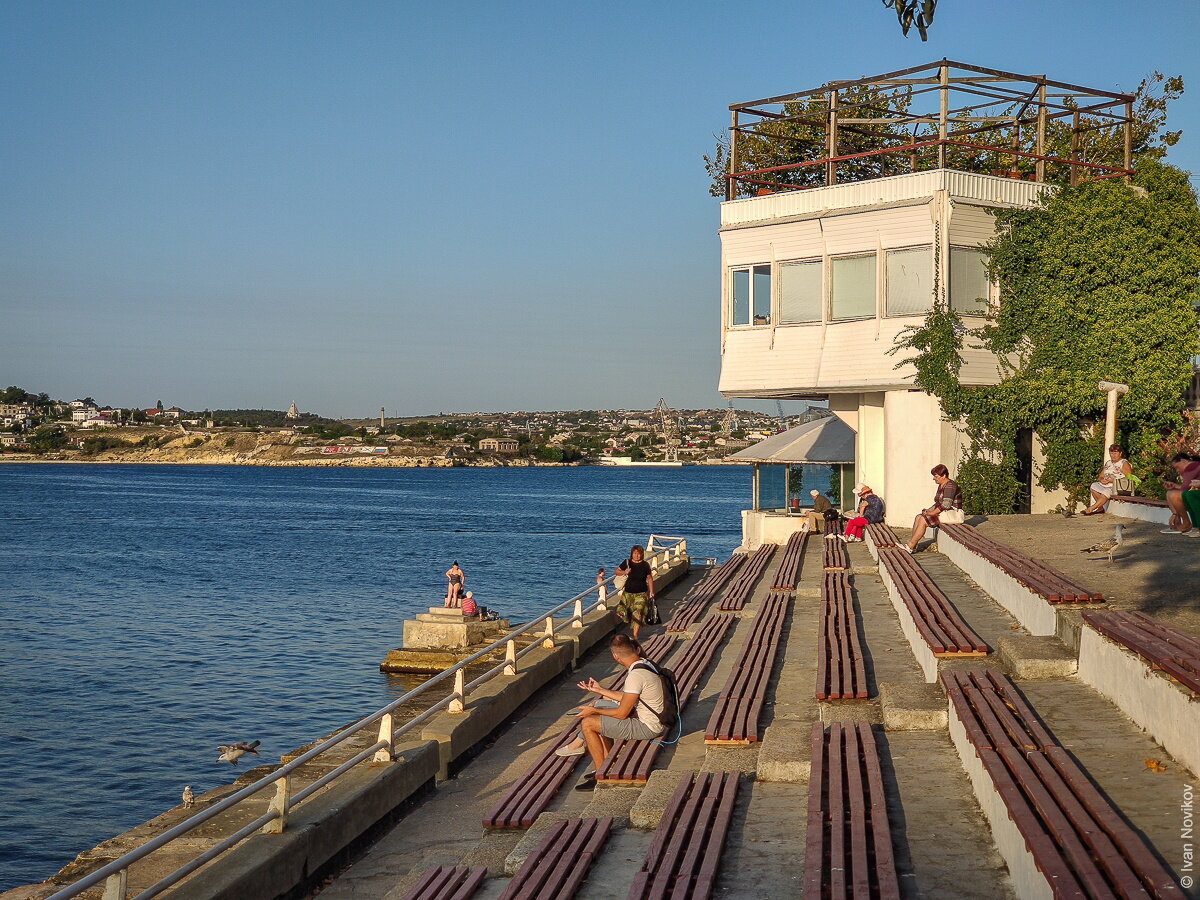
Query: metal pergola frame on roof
1027	100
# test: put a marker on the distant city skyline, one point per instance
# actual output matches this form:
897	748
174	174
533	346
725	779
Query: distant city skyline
429	208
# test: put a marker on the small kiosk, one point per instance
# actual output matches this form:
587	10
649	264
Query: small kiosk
817	455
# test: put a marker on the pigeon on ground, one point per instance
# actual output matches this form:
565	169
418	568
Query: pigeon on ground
231	753
189	799
1109	545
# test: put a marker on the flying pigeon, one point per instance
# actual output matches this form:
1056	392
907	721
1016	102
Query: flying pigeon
189	799
1109	545
231	753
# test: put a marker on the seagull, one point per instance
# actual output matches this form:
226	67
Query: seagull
1109	545
189	799
231	753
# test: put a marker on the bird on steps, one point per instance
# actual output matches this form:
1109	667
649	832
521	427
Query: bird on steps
1110	545
231	753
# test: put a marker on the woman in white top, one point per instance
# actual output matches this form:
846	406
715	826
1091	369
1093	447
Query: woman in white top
1102	490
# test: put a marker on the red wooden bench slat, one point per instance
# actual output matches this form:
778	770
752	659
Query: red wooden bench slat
741	587
1175	652
1053	585
814	839
837	811
448	883
788	572
859	858
886	879
559	863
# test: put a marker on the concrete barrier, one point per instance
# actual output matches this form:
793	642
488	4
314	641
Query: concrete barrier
920	648
1159	515
1165	709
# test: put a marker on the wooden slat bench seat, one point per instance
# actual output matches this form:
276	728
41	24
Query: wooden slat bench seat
1046	814
742	585
695	602
834	557
1038	577
685	851
557	866
788	572
735	718
631	762
533	792
880	536
930	612
848	847
448	883
1168	649
841	667
1142	501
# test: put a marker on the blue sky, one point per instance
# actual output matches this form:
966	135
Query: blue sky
454	206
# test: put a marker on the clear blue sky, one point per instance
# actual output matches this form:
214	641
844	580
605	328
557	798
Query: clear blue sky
429	206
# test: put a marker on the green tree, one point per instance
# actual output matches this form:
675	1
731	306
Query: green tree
1100	282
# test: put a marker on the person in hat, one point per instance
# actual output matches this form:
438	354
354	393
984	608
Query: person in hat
870	512
817	516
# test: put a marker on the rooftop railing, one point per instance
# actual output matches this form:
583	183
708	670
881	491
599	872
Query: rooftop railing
662	553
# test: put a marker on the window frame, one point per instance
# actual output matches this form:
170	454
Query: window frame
750	270
833	258
887	314
989	297
822	301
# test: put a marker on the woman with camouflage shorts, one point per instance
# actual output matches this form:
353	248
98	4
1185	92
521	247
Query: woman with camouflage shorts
639	590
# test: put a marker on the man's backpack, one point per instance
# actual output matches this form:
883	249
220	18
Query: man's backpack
669	717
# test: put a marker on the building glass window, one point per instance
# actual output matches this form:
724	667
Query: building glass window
800	296
909	281
750	296
853	295
969	285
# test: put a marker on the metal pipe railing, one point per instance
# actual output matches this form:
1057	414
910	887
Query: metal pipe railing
115	874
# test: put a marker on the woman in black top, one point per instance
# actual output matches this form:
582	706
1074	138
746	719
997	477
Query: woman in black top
639	590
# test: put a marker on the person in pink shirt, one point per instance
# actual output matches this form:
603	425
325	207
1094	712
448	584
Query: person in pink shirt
1184	496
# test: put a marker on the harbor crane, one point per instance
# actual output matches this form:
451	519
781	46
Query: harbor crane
729	422
668	423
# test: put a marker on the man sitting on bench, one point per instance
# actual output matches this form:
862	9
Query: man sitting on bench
630	714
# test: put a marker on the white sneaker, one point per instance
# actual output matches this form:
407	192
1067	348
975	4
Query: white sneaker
1194	533
831	536
1172	531
907	549
569	751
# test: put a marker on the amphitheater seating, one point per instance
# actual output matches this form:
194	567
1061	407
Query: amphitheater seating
935	618
788	572
880	536
841	667
848	847
1038	577
557	866
448	883
685	851
742	586
530	794
630	762
834	557
1168	649
694	604
1075	837
735	718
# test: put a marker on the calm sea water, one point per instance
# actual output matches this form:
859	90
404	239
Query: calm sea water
148	613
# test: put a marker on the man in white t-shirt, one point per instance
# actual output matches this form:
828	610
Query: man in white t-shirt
631	714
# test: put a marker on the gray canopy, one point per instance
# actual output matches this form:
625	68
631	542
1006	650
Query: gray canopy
823	442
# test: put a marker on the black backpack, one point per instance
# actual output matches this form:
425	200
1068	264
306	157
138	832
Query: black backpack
669	717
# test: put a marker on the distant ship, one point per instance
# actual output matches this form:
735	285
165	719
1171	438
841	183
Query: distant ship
628	461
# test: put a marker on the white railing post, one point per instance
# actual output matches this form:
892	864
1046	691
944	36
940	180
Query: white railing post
577	621
460	692
603	604
279	804
548	643
510	658
114	885
386	754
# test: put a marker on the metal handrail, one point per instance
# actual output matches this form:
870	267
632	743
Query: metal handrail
115	872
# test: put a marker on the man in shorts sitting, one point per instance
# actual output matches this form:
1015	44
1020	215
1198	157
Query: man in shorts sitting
630	714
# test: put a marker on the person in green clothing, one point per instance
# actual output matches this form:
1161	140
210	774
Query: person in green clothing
1184	496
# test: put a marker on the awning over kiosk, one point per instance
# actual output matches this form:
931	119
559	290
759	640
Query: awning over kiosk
824	442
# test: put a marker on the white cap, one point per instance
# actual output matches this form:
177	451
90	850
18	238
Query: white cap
815	493
858	488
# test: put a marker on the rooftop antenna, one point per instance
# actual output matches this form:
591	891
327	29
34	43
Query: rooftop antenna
381	423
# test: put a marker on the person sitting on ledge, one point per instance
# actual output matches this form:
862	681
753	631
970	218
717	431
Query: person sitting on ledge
469	607
1106	484
870	512
630	714
816	516
1183	497
947	507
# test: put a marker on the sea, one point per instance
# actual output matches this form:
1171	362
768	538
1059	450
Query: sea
149	613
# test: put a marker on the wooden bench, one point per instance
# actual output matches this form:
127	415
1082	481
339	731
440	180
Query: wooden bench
734	721
834	557
530	794
933	627
742	586
1047	816
630	762
1167	649
848	846
1143	508
880	536
694	604
1034	574
788	573
685	851
841	668
557	866
448	883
